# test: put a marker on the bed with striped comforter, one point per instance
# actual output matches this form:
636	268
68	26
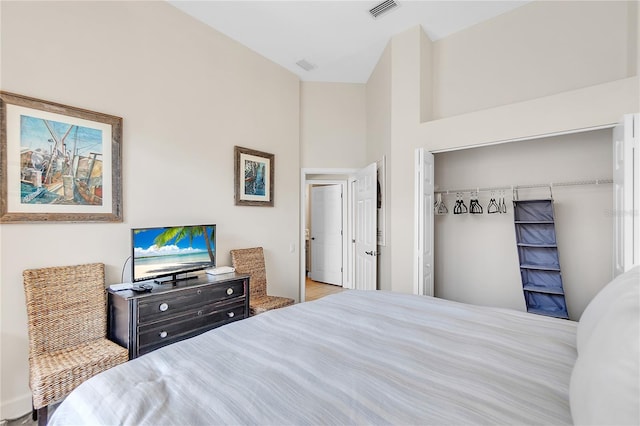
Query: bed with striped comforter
351	358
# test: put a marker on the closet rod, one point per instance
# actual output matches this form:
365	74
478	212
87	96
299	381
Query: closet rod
534	185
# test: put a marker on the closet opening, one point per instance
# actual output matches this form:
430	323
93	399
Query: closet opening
475	253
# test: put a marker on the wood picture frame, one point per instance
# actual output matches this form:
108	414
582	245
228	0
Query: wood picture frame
254	174
58	163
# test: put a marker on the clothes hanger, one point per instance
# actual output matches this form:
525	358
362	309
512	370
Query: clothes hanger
474	205
503	205
493	206
460	207
440	207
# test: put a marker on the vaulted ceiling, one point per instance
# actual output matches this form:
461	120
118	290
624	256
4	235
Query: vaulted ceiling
340	40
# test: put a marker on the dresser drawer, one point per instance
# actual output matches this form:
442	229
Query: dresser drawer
155	335
143	322
171	304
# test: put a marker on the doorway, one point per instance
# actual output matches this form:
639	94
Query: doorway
358	202
308	178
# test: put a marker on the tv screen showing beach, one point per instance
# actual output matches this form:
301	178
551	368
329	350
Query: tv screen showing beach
159	252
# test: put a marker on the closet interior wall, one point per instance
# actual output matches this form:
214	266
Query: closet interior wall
476	259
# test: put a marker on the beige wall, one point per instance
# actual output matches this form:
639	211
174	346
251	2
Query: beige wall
537	50
333	125
634	46
378	108
406	103
187	96
541	113
427	67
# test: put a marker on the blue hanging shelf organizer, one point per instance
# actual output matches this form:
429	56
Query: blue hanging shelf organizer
538	255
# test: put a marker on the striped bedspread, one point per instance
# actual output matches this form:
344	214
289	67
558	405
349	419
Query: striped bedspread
351	358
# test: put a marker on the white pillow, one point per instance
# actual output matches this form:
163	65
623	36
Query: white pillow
605	382
602	302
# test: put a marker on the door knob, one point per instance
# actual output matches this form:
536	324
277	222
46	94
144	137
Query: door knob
370	253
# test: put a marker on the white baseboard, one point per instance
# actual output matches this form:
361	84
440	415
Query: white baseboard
16	407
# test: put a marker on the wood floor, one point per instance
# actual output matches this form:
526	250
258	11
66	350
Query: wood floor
315	290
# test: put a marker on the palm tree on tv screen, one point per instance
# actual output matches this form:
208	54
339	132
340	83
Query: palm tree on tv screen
178	233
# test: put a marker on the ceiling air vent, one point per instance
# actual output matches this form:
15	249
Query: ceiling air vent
305	65
383	8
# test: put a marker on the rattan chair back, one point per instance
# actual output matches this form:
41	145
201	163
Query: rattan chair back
251	261
66	306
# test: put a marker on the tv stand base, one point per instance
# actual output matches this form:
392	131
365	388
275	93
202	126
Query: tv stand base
175	280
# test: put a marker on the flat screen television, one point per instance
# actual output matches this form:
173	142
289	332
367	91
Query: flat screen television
172	251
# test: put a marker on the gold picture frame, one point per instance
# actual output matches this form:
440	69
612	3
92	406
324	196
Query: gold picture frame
254	172
58	163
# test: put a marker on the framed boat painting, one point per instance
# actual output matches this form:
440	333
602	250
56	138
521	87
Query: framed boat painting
58	163
254	171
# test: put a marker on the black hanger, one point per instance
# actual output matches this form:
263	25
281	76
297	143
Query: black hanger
493	207
460	206
503	205
474	205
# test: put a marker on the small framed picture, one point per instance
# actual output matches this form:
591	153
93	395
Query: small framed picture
254	171
58	163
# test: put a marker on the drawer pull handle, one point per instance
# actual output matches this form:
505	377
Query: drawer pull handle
163	334
163	307
199	313
199	291
229	291
231	314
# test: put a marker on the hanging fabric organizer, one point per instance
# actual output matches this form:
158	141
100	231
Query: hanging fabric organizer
535	231
538	255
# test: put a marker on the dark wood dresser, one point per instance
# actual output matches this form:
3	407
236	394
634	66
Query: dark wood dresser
143	322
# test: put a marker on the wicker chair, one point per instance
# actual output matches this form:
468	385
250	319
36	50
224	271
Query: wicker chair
251	261
67	321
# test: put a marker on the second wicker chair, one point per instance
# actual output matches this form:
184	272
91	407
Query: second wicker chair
251	261
67	319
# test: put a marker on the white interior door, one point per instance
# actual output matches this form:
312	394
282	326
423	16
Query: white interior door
626	193
366	192
423	265
326	234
